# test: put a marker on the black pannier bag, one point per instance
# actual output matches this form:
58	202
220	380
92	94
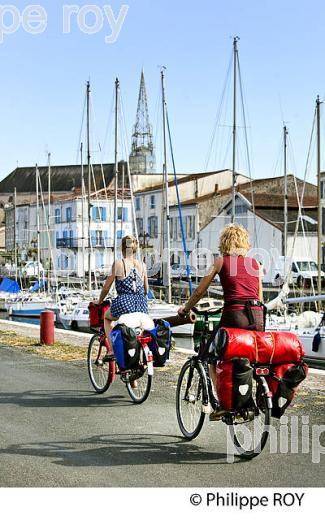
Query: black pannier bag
283	383
126	347
161	340
234	384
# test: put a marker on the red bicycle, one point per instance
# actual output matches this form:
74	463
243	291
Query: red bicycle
102	365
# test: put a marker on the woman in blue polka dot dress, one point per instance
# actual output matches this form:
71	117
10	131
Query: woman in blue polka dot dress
131	283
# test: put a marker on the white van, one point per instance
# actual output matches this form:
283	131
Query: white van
303	272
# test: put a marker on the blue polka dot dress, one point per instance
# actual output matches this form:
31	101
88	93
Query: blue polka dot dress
130	295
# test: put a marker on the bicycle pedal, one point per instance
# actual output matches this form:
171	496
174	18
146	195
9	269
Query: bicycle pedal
207	408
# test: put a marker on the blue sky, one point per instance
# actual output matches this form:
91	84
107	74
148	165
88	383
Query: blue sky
282	62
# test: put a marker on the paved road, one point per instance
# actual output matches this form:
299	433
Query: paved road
54	431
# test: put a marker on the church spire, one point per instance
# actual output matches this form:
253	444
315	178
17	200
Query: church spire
142	157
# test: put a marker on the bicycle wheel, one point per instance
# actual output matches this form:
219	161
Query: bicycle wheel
189	400
249	429
142	385
101	371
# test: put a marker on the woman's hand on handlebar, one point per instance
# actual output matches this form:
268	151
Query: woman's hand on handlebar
182	311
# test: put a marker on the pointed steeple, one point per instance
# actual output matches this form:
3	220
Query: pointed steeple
142	157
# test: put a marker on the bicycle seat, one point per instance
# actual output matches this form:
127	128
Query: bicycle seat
137	320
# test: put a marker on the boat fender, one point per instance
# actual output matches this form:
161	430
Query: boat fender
316	342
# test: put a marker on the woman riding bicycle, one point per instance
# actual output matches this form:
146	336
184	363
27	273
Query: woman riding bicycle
131	283
241	280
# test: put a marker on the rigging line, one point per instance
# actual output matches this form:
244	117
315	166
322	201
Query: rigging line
188	271
108	127
247	147
81	129
219	111
300	202
48	232
129	176
278	159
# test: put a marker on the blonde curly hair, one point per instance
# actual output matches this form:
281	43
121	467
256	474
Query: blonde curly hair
234	240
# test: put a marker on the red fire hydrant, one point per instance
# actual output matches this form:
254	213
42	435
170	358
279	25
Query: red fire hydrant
47	328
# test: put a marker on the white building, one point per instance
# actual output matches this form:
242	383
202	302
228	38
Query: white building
69	233
151	217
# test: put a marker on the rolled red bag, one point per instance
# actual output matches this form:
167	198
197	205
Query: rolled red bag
262	347
176	321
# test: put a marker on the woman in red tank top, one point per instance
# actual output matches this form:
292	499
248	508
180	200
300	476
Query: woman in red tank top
241	280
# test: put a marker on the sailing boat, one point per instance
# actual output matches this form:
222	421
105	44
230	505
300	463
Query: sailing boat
308	325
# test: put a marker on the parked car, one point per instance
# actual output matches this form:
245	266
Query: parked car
31	268
303	272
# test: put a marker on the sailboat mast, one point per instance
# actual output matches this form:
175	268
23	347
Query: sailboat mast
38	228
117	87
319	226
15	234
49	216
234	132
89	185
82	209
165	173
285	220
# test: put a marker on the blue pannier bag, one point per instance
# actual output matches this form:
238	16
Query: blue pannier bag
126	347
161	336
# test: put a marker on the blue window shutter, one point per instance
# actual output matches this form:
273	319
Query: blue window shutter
65	234
93	238
125	214
105	238
104	217
93	214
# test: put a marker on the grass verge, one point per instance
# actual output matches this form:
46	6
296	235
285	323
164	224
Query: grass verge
59	351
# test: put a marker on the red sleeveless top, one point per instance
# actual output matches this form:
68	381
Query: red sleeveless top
239	277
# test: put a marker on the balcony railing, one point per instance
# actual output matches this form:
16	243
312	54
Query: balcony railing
76	243
70	243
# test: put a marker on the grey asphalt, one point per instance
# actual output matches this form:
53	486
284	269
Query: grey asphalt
55	431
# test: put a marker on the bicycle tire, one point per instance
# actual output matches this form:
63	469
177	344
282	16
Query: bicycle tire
264	412
140	394
188	374
101	373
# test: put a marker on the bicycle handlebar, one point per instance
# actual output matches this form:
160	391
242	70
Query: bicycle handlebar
208	312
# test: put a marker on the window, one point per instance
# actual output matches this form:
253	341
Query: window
153	227
57	216
98	214
322	189
57	238
190	227
122	212
137	203
68	214
152	202
139	222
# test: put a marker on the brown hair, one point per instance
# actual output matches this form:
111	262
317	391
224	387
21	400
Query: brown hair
234	240
129	245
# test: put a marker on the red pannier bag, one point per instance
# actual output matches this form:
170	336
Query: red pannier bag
234	384
283	382
236	349
96	313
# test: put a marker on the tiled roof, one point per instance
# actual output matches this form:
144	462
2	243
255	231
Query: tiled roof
63	178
